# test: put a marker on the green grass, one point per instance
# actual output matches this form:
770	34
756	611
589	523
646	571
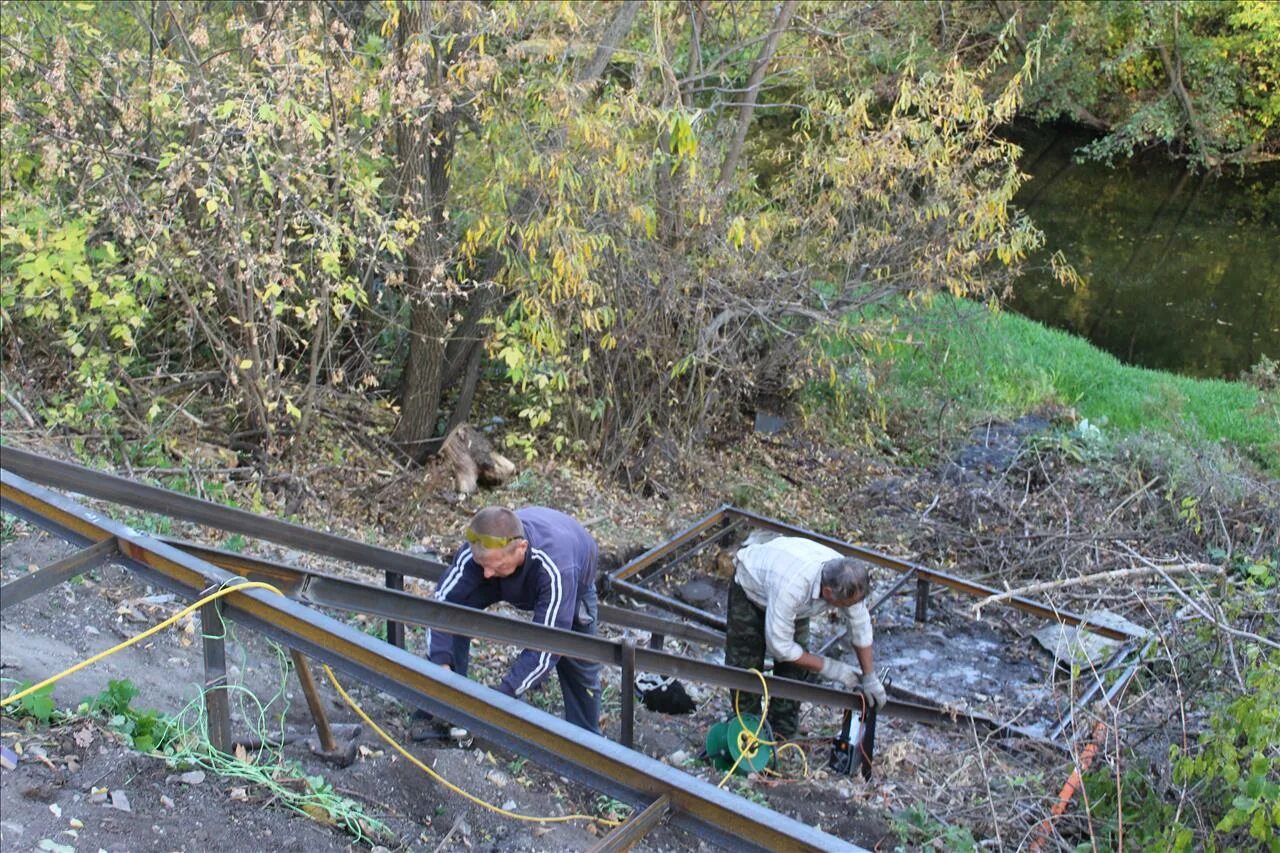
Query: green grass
957	361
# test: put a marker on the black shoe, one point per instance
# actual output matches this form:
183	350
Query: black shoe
427	727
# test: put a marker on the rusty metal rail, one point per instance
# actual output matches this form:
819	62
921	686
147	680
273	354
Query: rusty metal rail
698	807
707	529
321	589
118	490
626	581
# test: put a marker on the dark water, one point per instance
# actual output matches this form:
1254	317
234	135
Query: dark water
1181	270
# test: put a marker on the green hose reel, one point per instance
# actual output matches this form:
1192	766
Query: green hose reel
729	740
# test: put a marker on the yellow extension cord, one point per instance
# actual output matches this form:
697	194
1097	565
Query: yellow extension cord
751	741
225	590
443	781
240	587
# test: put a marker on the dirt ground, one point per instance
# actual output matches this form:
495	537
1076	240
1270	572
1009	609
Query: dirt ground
77	786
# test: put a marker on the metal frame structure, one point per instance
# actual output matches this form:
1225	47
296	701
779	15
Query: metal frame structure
690	803
189	569
627	582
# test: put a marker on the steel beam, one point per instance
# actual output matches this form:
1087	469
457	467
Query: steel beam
657	625
118	490
20	589
627	684
217	704
324	734
96	484
109	487
342	594
1120	683
950	581
284	575
639	593
325	590
697	806
656	553
339	593
637	827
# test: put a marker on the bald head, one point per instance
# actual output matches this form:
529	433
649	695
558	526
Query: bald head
498	521
496	535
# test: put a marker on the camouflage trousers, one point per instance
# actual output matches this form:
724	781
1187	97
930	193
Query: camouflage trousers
744	647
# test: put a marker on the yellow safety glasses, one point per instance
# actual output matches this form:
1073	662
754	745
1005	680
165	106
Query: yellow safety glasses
491	543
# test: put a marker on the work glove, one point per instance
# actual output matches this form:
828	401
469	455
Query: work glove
874	690
839	672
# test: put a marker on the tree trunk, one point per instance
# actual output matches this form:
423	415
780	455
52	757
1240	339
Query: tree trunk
438	354
749	97
425	146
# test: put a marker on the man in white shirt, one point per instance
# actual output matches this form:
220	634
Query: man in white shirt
777	586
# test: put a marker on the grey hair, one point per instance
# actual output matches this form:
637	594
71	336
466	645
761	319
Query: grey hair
847	577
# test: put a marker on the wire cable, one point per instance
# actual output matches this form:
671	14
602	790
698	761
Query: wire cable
445	782
219	593
231	587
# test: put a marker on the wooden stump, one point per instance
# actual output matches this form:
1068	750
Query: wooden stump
474	461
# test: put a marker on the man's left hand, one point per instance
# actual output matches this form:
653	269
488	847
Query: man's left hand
873	689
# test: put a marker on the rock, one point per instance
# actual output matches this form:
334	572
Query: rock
43	792
698	592
120	800
191	777
678	758
497	777
166	801
509	805
8	758
767	423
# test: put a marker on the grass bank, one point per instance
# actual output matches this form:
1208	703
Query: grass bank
956	362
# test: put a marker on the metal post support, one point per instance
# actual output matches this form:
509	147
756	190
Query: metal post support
327	743
216	702
637	827
922	599
628	681
395	630
81	561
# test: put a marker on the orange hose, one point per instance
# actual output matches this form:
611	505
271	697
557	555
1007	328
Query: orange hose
1070	787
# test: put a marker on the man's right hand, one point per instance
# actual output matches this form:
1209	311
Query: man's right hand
839	672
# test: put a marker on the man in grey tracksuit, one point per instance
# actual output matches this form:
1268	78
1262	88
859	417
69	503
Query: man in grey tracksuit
537	559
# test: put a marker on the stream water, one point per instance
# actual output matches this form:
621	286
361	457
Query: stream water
1181	270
